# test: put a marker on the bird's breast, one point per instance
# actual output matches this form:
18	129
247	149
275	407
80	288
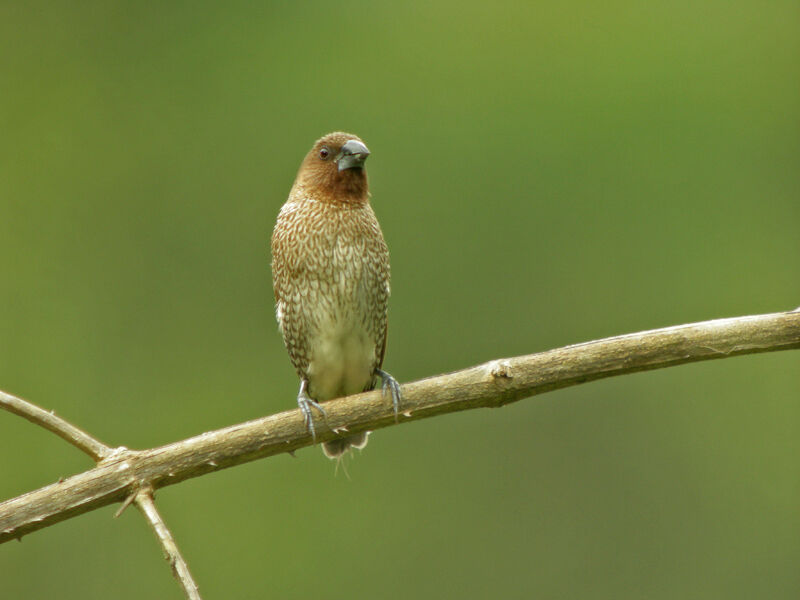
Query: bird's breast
332	294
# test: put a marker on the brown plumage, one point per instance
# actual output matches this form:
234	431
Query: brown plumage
330	273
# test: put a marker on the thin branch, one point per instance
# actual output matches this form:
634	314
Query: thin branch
78	438
144	502
492	384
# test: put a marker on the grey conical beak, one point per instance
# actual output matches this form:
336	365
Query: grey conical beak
353	155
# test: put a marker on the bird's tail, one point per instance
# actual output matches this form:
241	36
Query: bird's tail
338	448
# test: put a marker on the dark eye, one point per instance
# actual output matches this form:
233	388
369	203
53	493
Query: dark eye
324	153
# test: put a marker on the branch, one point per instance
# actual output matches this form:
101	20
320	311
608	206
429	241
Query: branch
78	438
492	384
144	502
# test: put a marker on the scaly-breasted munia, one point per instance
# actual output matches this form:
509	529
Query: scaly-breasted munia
330	273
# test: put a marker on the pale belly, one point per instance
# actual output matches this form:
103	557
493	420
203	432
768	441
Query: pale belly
342	360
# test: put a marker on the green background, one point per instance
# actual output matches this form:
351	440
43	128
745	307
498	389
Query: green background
544	173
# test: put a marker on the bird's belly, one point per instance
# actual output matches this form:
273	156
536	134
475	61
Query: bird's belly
342	359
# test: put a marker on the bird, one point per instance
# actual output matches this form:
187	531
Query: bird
331	279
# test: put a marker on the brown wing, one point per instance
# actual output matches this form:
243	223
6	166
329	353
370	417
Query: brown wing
379	257
287	275
383	346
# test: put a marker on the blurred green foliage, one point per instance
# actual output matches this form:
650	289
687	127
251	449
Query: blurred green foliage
545	173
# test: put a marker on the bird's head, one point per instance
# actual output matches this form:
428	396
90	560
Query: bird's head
334	168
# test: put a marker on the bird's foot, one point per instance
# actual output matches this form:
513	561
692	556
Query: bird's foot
390	384
305	403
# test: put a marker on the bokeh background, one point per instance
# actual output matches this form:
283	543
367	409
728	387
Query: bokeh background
545	174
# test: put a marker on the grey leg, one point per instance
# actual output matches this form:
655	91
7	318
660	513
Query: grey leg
390	383
305	403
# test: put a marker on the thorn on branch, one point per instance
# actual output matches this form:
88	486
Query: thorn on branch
128	501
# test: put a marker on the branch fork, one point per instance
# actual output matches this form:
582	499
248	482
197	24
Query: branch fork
132	476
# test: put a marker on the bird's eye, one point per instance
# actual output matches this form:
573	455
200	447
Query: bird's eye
324	153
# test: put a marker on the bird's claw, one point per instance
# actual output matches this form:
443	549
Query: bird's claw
305	403
390	384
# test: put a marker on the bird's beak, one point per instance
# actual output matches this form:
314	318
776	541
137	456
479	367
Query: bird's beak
353	155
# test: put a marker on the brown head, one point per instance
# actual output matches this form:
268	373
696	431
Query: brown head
334	168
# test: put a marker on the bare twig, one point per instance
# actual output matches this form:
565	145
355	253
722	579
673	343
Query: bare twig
144	502
489	385
80	439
